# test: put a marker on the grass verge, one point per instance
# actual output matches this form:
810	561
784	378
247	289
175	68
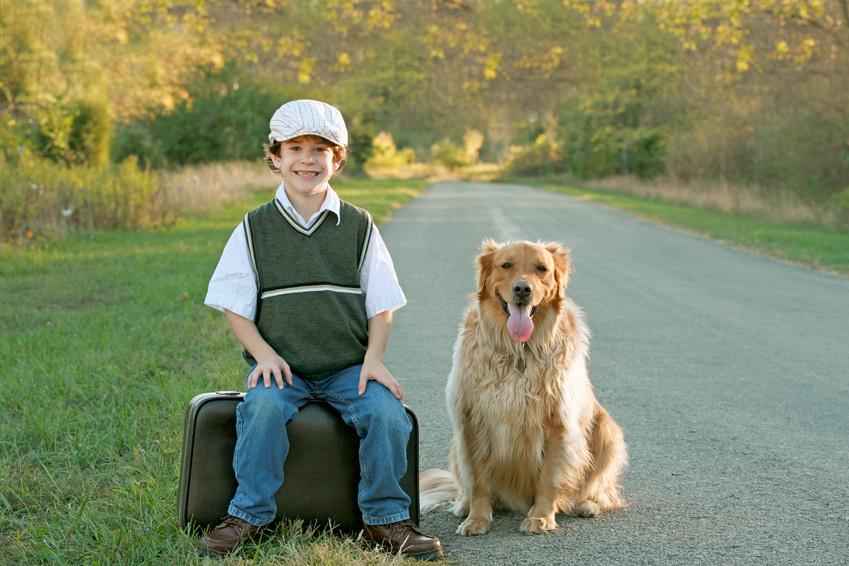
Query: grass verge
819	247
104	340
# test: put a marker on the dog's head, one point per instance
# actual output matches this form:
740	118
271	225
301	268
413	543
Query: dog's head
519	281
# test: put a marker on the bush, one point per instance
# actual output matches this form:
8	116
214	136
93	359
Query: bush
450	154
840	204
41	198
88	140
384	154
138	141
542	157
225	121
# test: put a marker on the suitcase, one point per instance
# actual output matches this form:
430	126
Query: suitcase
320	445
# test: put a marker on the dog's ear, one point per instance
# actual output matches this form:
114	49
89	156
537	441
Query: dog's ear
562	265
488	245
484	261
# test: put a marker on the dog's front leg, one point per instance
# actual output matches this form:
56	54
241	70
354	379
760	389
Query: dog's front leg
479	520
476	480
560	474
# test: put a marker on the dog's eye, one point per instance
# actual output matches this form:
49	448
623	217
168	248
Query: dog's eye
506	265
542	268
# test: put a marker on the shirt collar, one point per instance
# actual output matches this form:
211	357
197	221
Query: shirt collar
331	203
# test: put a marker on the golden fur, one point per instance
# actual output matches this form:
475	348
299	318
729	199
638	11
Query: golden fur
529	434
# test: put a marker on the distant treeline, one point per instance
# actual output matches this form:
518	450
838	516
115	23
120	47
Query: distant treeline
753	92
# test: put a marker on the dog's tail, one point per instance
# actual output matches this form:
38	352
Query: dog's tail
437	490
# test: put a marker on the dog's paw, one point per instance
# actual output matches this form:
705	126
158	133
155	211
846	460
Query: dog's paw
587	508
538	525
460	508
474	526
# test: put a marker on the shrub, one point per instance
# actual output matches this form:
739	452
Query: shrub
542	157
385	155
450	154
91	128
41	198
840	204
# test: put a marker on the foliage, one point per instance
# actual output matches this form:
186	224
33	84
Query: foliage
91	128
450	154
542	157
726	89
385	155
39	198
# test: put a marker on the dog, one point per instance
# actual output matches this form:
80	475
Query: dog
528	432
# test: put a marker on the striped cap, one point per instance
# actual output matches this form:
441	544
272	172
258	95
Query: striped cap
308	117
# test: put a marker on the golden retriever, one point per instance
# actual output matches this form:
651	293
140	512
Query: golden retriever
528	432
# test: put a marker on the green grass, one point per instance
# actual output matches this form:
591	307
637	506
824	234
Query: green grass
819	247
104	340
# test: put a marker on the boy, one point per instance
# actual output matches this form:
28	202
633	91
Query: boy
308	288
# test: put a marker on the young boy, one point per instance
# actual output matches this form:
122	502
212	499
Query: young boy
308	288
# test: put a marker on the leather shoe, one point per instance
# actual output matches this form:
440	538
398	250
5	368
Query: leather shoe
405	538
224	537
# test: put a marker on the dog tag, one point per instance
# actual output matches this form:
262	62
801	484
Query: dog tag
520	365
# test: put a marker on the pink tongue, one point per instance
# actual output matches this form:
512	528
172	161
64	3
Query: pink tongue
519	325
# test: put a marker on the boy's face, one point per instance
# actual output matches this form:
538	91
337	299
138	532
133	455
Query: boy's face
306	164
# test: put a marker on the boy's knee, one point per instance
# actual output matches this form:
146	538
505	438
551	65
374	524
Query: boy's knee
389	414
267	405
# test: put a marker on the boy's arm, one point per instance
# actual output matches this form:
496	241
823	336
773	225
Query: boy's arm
379	327
268	362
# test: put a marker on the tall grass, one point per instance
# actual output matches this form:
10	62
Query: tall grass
821	246
41	198
199	188
777	205
104	340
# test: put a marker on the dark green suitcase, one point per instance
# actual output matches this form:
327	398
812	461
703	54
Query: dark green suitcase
320	445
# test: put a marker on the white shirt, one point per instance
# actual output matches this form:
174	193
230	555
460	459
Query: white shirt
234	288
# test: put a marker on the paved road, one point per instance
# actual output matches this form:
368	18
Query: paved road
729	373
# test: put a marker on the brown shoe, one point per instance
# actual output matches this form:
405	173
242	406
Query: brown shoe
224	538
406	538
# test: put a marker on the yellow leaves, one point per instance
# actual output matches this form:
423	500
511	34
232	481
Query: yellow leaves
167	102
217	60
289	46
806	50
305	69
490	68
343	61
744	58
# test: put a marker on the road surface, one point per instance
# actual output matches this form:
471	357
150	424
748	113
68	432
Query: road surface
728	371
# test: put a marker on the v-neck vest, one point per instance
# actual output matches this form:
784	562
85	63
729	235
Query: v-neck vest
310	307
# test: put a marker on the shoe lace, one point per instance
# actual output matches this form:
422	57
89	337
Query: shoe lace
233	521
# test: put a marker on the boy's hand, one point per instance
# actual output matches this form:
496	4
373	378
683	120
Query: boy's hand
266	367
374	369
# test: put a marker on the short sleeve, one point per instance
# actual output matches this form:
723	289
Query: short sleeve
233	284
378	279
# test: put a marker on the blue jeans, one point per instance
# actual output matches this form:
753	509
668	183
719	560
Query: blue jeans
262	444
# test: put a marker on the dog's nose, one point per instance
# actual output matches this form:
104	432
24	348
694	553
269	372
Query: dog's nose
522	290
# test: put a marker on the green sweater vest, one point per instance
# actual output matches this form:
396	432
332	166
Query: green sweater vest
310	307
